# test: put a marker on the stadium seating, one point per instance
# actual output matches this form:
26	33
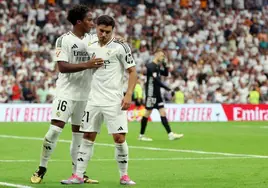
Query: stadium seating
216	53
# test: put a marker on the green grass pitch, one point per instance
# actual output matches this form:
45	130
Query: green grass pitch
211	155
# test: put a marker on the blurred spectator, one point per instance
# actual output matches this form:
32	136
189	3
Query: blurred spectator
254	96
52	90
218	96
41	94
184	3
138	94
178	96
16	92
264	92
217	49
3	97
28	94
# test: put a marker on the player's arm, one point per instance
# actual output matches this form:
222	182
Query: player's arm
132	80
161	84
63	61
164	69
152	71
65	67
129	64
119	38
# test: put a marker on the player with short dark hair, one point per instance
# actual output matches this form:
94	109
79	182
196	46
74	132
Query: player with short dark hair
107	103
106	20
153	95
72	87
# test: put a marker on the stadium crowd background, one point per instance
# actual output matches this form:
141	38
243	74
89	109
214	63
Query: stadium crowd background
217	49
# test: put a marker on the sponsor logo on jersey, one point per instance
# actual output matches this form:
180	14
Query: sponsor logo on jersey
106	63
81	56
80	53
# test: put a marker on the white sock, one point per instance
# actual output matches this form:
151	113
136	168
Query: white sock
84	155
49	144
121	156
74	148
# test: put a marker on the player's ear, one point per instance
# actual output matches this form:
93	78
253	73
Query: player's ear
78	21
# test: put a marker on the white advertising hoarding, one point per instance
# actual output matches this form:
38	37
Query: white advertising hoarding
192	112
175	112
25	112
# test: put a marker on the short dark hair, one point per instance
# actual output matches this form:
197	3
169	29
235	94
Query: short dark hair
106	20
77	12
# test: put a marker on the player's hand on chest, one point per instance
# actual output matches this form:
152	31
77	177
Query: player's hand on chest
111	61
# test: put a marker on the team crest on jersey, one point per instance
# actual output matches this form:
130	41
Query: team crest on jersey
58	114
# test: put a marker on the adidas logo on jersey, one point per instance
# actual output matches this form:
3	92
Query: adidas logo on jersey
74	46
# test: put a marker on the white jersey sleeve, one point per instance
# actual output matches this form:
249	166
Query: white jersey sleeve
61	53
126	57
73	50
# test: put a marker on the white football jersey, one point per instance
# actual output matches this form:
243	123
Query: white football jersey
72	49
107	81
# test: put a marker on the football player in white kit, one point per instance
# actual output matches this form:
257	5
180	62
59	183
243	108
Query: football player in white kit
106	100
73	85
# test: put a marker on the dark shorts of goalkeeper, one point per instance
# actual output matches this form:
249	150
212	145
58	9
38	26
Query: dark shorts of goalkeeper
154	102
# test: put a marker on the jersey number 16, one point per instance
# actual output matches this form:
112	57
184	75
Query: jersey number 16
62	105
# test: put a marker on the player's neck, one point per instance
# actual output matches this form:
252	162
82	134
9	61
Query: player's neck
78	33
104	43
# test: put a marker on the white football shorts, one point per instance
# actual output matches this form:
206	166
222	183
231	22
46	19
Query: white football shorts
114	118
63	109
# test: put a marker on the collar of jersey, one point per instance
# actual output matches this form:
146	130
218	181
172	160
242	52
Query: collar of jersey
107	42
76	36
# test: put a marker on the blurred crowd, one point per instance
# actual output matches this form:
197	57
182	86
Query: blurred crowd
217	50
